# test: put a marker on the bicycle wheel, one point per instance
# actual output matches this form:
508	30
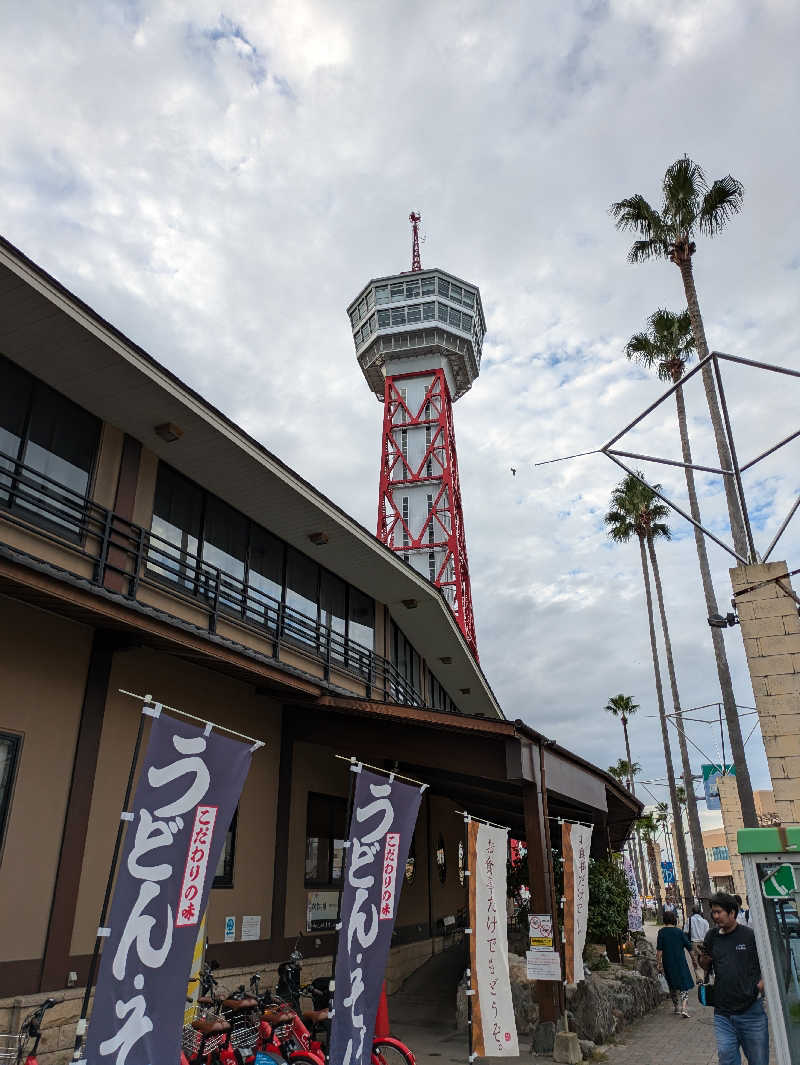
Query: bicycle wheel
390	1051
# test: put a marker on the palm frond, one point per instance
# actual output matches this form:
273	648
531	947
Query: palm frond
640	348
636	214
684	186
652	248
722	201
660	530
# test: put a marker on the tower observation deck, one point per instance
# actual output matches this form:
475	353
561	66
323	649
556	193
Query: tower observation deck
418	339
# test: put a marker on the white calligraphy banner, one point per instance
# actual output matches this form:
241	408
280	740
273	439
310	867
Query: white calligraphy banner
576	844
494	1030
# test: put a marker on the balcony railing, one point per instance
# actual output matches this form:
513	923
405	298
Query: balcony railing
125	557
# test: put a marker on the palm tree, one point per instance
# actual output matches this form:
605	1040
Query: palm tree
667	346
646	826
690	206
624	771
623	707
637	511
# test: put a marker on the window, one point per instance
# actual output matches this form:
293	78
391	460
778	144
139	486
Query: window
444	287
362	307
455	293
382	294
466	323
428	311
52	436
443	312
412	290
224	548
384	319
431	566
414	313
223	877
361	618
354	318
407	663
719	854
9	757
468	298
428	286
265	575
326	835
455	318
370	300
176	527
302	582
398	316
398	292
441	859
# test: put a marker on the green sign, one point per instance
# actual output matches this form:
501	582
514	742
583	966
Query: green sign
780	884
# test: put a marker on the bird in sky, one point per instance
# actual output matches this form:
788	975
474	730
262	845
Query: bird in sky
513	471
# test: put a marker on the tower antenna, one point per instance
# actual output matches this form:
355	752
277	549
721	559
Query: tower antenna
415	218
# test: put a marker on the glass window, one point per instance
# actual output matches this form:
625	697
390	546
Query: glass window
176	527
16	387
443	312
384	319
370	299
444	287
455	293
326	835
225	548
468	298
9	757
332	596
361	623
466	323
372	322
455	318
428	311
398	316
414	313
354	318
428	286
223	877
61	444
302	580
362	306
382	294
265	575
398	292
412	290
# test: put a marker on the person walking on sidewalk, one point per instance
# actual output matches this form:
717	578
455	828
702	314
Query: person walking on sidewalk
697	929
730	951
671	947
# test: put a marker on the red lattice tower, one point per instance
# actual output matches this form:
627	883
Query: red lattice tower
433	532
418	338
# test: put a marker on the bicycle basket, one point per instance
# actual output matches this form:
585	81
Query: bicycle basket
10	1047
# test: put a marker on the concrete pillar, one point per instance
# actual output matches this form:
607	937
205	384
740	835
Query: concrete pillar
732	821
771	632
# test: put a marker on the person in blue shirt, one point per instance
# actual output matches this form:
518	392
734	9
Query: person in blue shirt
671	947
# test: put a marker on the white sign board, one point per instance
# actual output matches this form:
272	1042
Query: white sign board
322	910
541	931
251	927
543	965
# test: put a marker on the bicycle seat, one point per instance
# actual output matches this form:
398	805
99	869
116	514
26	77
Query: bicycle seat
210	1025
315	1016
275	1017
237	1004
205	1000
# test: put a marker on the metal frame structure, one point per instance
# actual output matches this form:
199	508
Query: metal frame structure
442	529
616	455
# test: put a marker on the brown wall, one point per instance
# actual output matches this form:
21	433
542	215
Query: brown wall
448	897
43	664
217	698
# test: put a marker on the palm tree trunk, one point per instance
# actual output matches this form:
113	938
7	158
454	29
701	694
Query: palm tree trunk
651	853
699	854
642	870
723	671
673	794
734	506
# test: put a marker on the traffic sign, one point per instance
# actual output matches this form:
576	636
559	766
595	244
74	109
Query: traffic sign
780	883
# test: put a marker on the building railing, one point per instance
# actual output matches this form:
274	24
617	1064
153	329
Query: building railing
126	557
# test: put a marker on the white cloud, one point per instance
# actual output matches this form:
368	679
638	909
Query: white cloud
220	182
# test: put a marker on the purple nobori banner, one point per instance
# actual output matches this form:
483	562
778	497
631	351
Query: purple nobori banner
381	827
186	796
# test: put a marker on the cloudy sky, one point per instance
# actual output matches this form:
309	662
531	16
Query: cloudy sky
220	181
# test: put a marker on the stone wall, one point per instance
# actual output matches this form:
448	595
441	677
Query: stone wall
732	821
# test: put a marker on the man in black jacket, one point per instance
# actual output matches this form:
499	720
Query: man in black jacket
739	1018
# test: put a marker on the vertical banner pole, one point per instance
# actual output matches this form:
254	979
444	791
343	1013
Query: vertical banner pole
80	1028
467	881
